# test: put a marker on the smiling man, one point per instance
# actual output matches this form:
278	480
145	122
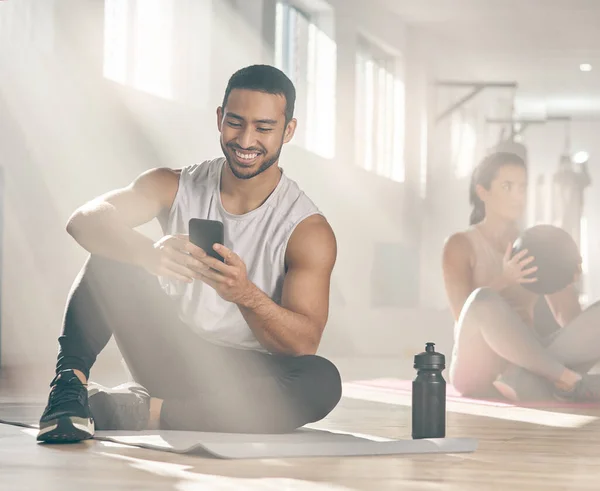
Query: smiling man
212	345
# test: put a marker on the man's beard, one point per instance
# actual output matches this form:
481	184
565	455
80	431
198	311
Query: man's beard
263	167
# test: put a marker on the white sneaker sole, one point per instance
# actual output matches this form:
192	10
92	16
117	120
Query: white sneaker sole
67	429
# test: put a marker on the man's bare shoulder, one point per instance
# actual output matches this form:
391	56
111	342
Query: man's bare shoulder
312	241
158	178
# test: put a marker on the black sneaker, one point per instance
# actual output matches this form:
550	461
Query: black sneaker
67	417
125	407
586	390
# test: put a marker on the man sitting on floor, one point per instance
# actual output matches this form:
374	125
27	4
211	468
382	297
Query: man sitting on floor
225	346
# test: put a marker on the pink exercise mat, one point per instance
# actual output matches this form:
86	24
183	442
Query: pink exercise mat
405	387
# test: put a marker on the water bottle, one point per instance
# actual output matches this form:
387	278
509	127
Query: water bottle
429	395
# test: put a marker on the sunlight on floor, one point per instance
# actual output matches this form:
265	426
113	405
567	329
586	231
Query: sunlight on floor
509	413
192	481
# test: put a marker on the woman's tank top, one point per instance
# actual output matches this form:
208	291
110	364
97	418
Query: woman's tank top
487	266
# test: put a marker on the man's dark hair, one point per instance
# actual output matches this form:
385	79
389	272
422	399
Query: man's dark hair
264	78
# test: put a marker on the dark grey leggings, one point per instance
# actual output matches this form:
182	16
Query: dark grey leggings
490	335
204	387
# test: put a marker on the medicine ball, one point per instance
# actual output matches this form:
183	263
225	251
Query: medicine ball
556	256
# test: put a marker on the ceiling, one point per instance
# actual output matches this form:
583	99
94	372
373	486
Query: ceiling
537	43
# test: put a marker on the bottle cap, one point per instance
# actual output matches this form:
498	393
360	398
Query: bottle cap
430	359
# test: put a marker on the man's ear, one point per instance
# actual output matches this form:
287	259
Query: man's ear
578	273
219	118
290	129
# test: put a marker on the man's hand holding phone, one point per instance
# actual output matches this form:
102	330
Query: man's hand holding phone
177	257
174	256
229	277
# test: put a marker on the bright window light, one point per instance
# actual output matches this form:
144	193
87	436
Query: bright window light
116	44
154	47
309	57
581	157
380	108
138	44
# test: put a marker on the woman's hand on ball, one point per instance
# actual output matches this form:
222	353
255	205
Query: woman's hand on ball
515	270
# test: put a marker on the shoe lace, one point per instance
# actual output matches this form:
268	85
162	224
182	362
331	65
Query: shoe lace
64	391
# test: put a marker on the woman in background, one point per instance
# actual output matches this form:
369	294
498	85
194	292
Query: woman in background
495	344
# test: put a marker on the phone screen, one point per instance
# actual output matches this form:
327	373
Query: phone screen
205	234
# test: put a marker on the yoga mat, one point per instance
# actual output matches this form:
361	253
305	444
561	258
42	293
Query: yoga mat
301	443
305	442
405	387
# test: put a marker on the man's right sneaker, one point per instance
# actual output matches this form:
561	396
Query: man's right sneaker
67	416
125	407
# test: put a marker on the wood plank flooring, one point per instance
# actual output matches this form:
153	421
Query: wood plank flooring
520	449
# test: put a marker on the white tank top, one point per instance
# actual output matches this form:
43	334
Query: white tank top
259	237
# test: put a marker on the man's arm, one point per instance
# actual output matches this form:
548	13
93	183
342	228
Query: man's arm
104	226
295	327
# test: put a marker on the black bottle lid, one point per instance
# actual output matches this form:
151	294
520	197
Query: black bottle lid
430	359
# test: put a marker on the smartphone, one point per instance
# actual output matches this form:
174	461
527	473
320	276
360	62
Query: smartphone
205	234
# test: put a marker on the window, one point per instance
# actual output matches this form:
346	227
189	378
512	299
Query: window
464	145
27	23
424	154
379	112
307	54
138	44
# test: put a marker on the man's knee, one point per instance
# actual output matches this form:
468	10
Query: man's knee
323	386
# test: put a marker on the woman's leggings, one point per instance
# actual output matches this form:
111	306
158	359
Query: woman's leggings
490	335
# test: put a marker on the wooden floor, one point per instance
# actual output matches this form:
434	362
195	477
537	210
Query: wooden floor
520	449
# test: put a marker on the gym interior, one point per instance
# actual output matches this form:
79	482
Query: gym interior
402	109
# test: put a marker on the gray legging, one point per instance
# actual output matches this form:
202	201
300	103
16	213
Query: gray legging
490	335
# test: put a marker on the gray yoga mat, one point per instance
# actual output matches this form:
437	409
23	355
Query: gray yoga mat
305	442
301	443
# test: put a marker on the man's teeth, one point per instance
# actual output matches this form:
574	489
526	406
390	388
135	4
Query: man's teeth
246	156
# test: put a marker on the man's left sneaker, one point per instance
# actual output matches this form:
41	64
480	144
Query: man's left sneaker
125	407
67	417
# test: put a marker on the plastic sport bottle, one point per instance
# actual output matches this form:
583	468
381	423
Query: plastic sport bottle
429	395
